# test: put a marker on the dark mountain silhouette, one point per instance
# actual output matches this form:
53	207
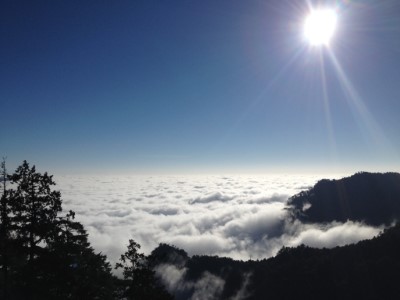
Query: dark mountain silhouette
366	270
45	253
167	254
373	198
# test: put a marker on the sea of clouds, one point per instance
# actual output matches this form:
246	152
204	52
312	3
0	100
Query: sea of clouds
242	217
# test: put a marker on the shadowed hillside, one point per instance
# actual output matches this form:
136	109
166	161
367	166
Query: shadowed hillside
373	198
366	270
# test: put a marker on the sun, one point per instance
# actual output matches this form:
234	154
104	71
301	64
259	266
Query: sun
320	26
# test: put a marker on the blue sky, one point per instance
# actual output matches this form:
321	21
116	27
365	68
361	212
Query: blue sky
198	86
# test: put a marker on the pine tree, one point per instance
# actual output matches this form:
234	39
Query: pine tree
35	208
72	267
140	280
58	262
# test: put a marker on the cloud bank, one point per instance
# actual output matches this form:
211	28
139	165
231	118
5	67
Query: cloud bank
241	217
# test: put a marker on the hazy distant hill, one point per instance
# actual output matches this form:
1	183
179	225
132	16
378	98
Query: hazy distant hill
366	270
370	197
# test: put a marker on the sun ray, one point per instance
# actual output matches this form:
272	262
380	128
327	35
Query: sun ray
366	122
327	111
259	98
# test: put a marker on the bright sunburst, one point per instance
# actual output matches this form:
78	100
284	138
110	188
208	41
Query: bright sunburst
320	26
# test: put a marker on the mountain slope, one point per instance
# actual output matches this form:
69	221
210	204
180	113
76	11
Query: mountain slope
373	198
366	270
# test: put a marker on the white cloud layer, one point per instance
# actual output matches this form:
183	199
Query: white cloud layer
236	216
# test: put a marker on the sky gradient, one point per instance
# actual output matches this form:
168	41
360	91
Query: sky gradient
198	86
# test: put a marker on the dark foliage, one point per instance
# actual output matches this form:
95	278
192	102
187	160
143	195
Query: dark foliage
373	198
139	277
366	270
45	254
167	254
34	207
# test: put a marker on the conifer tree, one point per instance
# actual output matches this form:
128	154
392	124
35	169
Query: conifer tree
141	282
57	260
35	207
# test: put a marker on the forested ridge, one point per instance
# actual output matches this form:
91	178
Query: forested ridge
372	198
45	254
366	270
